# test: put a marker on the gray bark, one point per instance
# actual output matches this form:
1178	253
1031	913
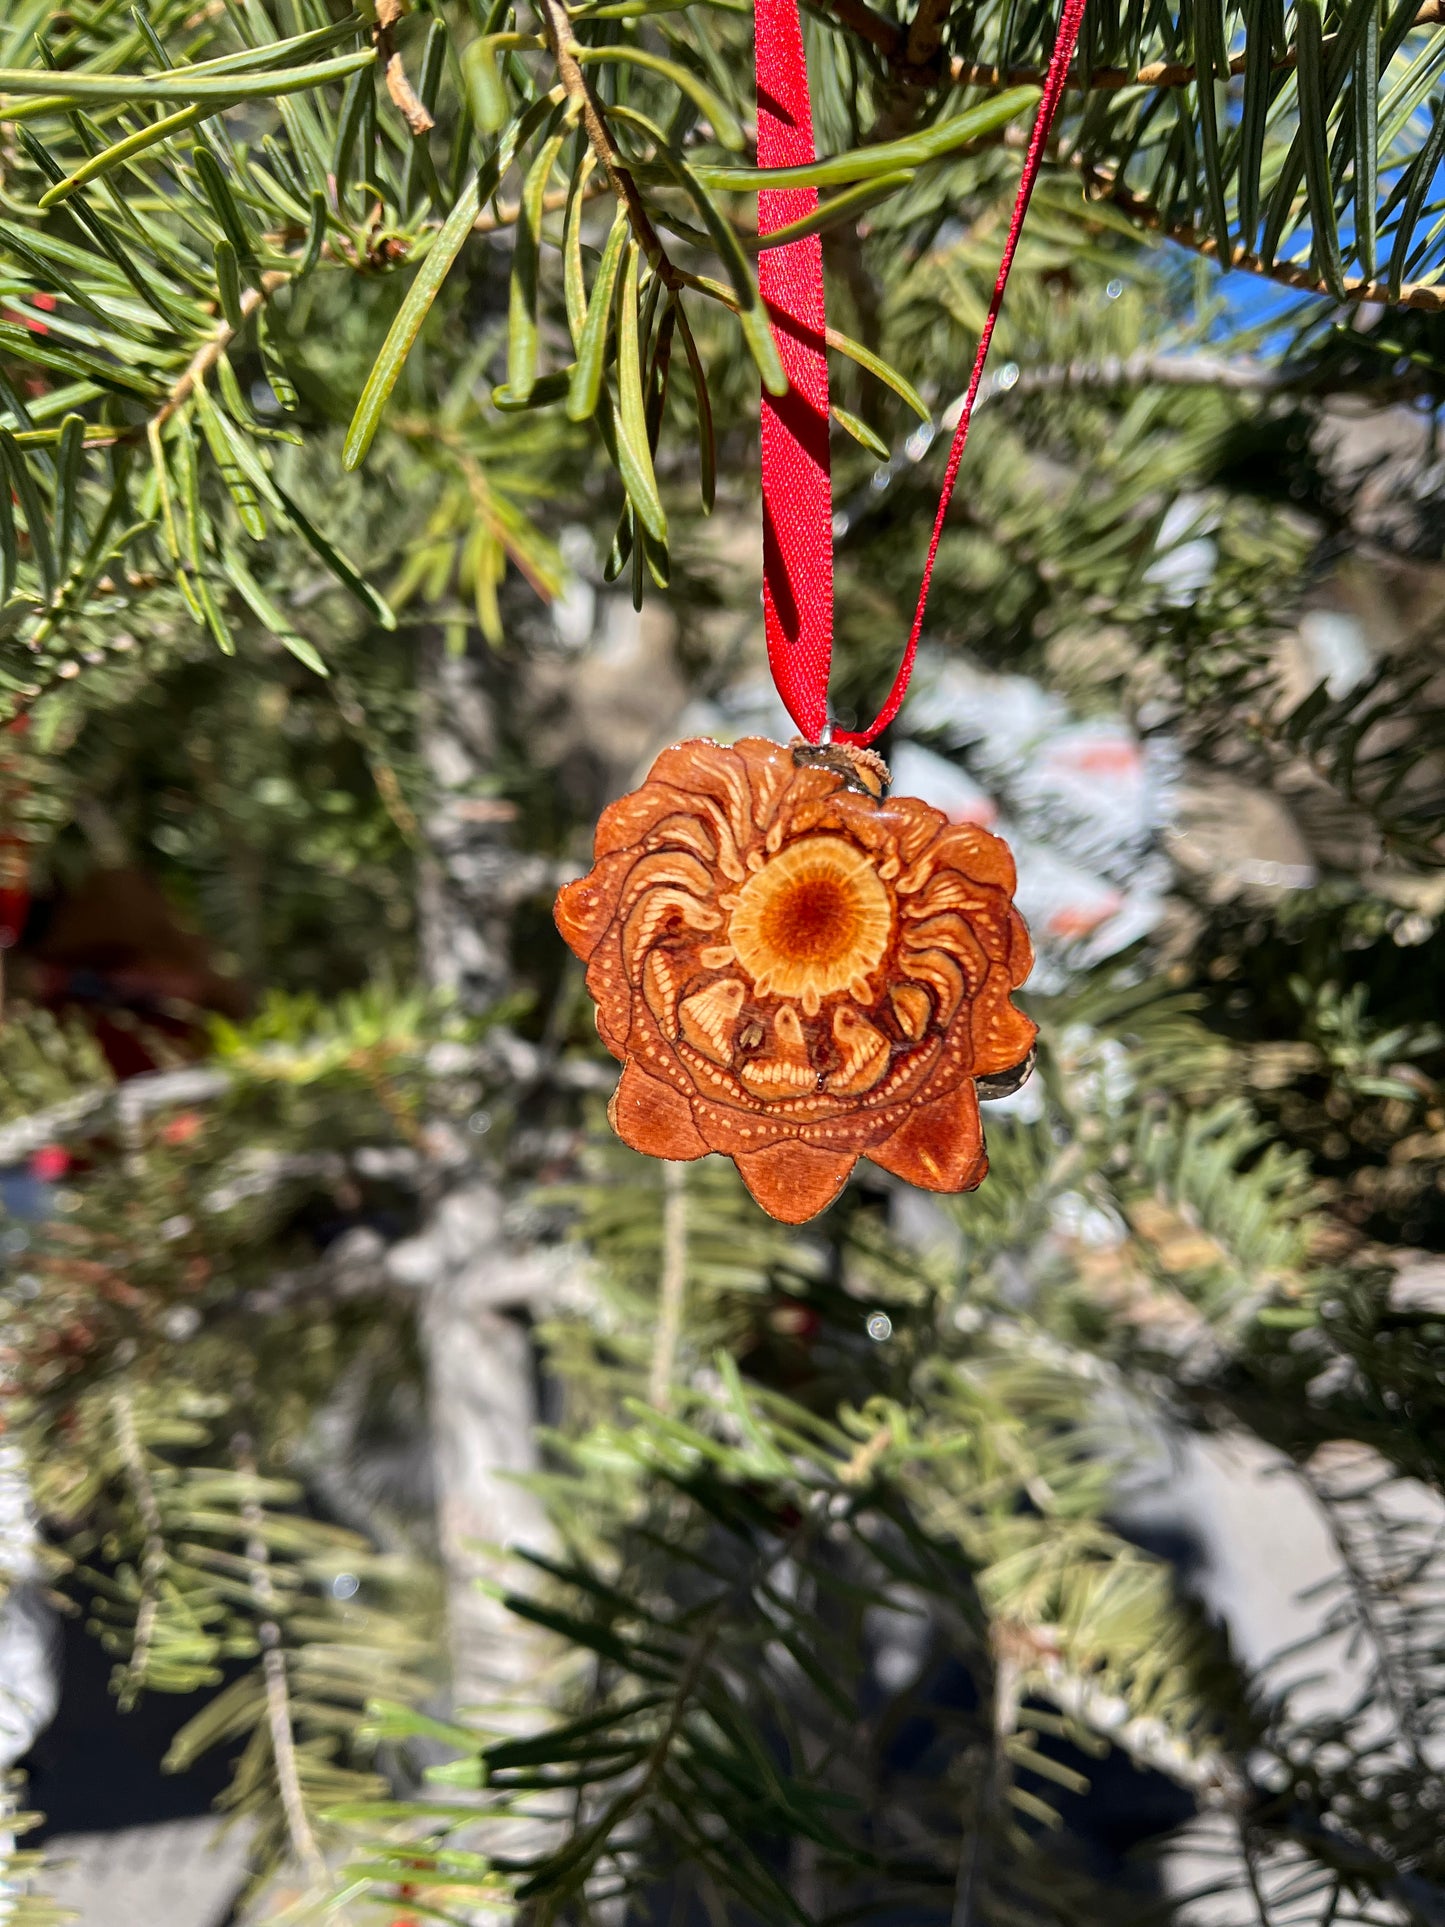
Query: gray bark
475	1282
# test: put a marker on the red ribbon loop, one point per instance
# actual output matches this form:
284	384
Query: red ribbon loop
797	484
797	489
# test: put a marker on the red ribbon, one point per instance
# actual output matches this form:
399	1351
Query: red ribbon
797	489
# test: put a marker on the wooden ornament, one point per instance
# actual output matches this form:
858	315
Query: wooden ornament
797	969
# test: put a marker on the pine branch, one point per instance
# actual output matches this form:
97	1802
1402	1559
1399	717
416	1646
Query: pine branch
914	53
158	1090
1208	1772
500	1054
203	362
1155	73
958	1467
153	1559
557	24
277	1687
888	38
672	1286
1007	1644
1102	184
1399	1682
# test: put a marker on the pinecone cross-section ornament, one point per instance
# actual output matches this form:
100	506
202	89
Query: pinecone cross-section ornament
798	970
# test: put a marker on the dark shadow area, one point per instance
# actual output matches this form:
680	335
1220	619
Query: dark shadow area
96	1769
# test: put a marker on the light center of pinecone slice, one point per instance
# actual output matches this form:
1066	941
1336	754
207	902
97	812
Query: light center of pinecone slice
813	922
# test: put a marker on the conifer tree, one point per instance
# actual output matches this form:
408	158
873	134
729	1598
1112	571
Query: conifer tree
347	362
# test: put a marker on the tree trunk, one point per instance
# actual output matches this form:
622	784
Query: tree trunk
476	1284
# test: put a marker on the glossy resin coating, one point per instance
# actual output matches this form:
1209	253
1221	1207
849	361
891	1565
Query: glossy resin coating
798	971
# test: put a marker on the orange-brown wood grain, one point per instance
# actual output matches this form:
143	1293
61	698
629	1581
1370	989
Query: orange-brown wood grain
797	970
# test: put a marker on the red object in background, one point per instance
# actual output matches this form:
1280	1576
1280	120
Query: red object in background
50	1163
112	951
14	890
45	301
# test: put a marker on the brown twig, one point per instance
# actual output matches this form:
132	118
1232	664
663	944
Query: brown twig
200	364
403	94
1429	297
925	35
277	1686
210	351
557	26
858	17
859	1469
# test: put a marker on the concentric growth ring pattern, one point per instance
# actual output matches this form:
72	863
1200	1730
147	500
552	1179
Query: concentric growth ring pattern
798	971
